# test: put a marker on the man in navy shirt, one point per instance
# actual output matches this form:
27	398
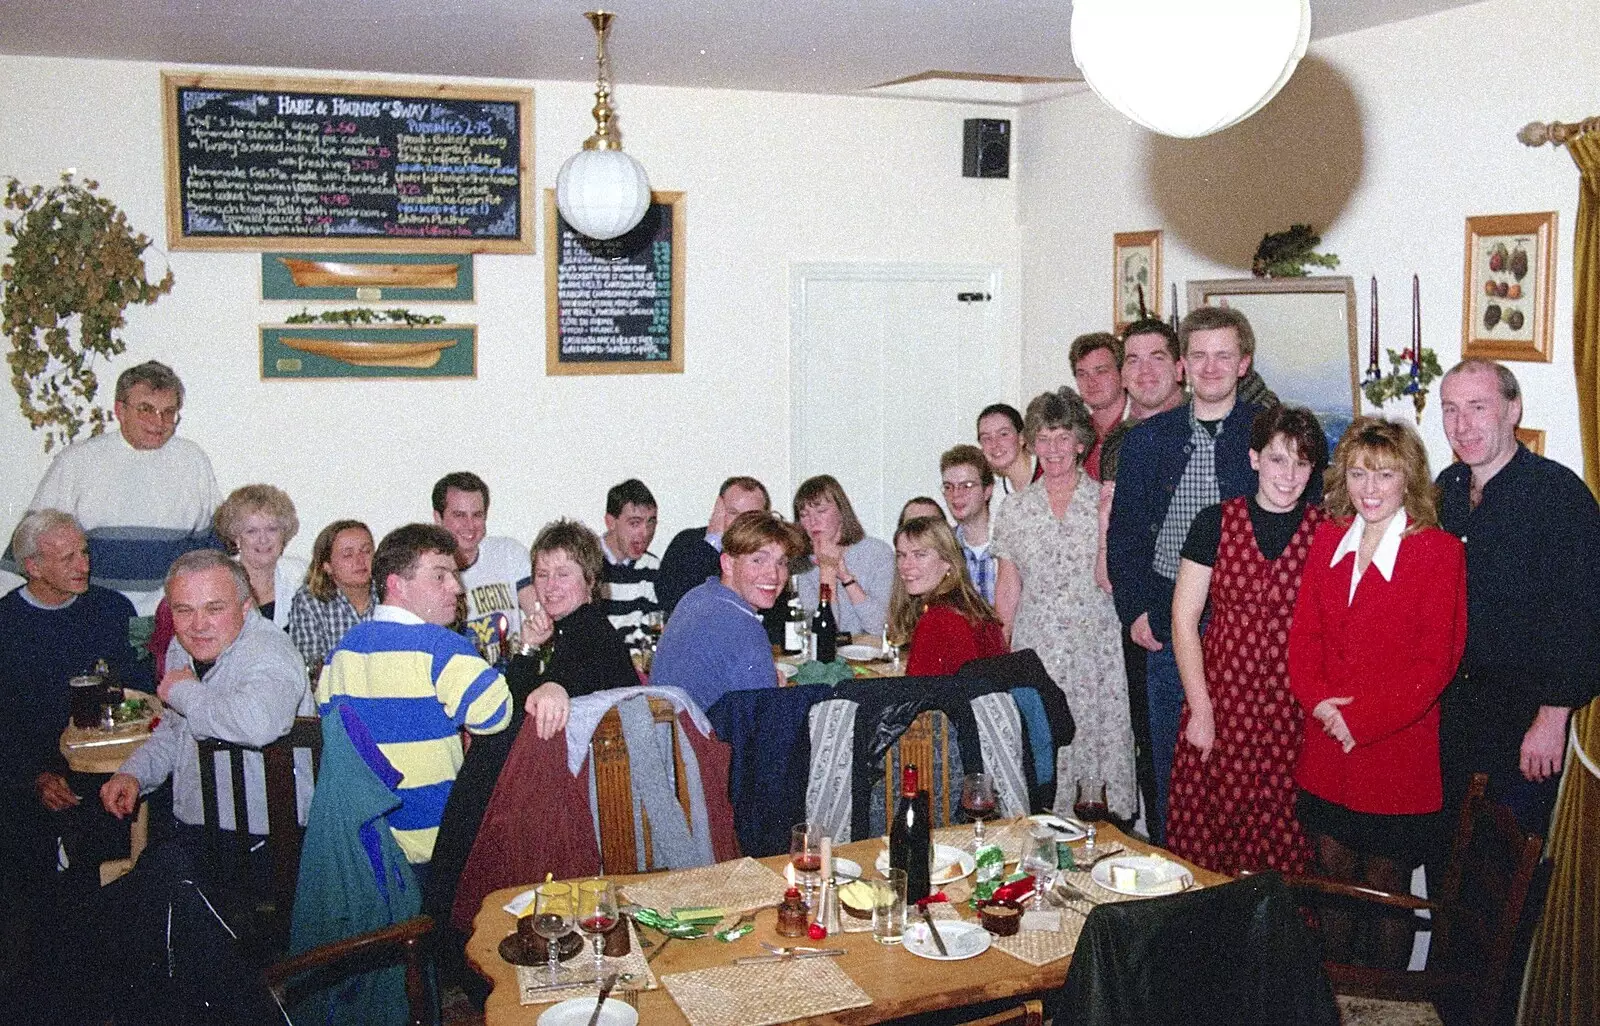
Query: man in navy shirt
1532	535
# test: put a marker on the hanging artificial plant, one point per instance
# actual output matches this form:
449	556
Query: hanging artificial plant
74	256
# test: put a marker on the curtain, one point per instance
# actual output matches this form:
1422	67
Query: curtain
1562	987
1585	150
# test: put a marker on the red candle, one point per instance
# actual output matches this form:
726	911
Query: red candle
1416	327
1372	364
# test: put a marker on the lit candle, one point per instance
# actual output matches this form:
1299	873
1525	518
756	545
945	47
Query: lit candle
1416	327
1372	364
827	858
788	875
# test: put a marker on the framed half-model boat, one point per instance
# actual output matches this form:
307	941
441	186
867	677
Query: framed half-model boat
1509	295
361	351
1136	276
367	277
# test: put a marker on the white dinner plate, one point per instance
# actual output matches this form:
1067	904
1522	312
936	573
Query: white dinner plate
846	870
1155	875
860	653
949	863
576	1011
1065	829
961	939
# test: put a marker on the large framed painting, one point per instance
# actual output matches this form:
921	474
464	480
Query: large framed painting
1510	287
1305	330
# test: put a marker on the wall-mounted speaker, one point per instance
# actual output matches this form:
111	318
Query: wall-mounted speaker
986	149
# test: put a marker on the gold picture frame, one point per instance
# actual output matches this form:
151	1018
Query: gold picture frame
1533	438
1508	295
1135	262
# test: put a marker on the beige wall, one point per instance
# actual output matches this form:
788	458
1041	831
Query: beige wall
771	179
1386	139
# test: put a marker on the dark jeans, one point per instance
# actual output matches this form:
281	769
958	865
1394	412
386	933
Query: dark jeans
1133	658
1164	691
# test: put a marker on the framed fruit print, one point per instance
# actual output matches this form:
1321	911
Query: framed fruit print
1509	294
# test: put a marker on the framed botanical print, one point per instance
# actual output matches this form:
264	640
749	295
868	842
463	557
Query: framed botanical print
1136	272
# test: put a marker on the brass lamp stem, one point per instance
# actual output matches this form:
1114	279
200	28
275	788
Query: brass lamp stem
606	135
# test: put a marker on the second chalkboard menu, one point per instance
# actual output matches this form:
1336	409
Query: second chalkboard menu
615	306
261	163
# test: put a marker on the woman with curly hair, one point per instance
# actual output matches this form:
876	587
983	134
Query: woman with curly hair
933	605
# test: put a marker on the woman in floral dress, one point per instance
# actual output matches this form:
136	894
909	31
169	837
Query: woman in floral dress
1233	791
1045	540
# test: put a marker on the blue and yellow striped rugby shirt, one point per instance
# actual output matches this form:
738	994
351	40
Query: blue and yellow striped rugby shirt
415	685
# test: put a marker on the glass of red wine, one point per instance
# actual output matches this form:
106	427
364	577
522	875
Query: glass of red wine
554	906
597	914
1090	805
805	854
978	802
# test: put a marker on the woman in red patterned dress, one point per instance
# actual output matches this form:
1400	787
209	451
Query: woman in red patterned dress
1233	790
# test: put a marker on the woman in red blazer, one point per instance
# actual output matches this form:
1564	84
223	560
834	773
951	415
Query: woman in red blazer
1379	626
934	605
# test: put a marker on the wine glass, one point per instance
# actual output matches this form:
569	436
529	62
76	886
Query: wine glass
978	802
1090	804
554	909
1039	860
597	914
805	854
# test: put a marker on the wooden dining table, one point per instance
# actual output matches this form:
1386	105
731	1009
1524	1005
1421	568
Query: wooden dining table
899	983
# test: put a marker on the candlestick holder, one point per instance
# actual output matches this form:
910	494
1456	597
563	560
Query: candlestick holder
1410	376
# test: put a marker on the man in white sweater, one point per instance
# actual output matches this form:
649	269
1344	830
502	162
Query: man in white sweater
143	496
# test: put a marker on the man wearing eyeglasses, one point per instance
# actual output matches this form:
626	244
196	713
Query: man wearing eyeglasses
968	483
143	496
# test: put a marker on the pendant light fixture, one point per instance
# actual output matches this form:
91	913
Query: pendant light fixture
601	191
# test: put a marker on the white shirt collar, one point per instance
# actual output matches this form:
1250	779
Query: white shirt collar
611	557
394	614
1383	556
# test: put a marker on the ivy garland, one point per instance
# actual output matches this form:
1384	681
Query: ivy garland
364	315
75	256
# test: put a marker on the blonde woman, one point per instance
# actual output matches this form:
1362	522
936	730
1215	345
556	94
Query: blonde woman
934	606
256	522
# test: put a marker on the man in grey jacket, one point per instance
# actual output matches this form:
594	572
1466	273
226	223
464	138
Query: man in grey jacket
230	674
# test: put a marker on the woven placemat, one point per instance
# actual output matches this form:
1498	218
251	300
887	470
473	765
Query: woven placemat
765	993
739	886
1009	836
1101	895
582	965
1036	947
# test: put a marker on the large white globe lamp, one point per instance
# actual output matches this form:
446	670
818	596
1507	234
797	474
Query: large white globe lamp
601	191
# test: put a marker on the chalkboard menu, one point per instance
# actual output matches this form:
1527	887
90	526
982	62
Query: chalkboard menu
615	306
272	164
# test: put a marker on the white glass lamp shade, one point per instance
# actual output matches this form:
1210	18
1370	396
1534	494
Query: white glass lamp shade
602	193
1188	68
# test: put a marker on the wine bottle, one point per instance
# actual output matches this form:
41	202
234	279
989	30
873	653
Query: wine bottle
794	626
824	628
911	837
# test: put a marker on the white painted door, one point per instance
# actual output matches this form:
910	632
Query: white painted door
890	365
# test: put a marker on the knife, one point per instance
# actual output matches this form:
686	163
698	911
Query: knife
938	941
600	1002
789	956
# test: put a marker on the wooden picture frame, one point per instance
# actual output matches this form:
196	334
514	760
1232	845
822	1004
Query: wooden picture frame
1512	256
582	334
1135	261
1533	438
367	277
311	352
1306	345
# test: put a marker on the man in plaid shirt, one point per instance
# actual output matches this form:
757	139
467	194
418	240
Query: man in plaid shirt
1171	466
968	484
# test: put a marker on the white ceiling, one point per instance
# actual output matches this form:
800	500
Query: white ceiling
813	46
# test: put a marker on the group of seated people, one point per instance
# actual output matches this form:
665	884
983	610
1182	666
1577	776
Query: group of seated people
1275	639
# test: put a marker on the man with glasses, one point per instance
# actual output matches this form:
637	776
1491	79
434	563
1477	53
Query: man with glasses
968	483
143	496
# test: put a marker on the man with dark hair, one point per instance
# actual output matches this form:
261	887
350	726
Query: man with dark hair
143	496
416	685
1096	361
968	485
1532	534
630	568
1171	466
492	567
695	554
715	642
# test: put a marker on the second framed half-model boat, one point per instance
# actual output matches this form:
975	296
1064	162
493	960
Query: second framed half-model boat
310	273
373	354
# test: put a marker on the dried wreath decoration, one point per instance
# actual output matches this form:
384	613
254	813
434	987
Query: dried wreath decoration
74	256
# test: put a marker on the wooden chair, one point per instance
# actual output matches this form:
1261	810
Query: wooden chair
1029	1013
284	832
1474	919
608	752
361	950
925	745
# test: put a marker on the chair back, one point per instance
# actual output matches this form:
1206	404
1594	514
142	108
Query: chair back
613	785
284	832
925	745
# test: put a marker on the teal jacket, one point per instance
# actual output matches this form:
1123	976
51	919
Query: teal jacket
353	876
